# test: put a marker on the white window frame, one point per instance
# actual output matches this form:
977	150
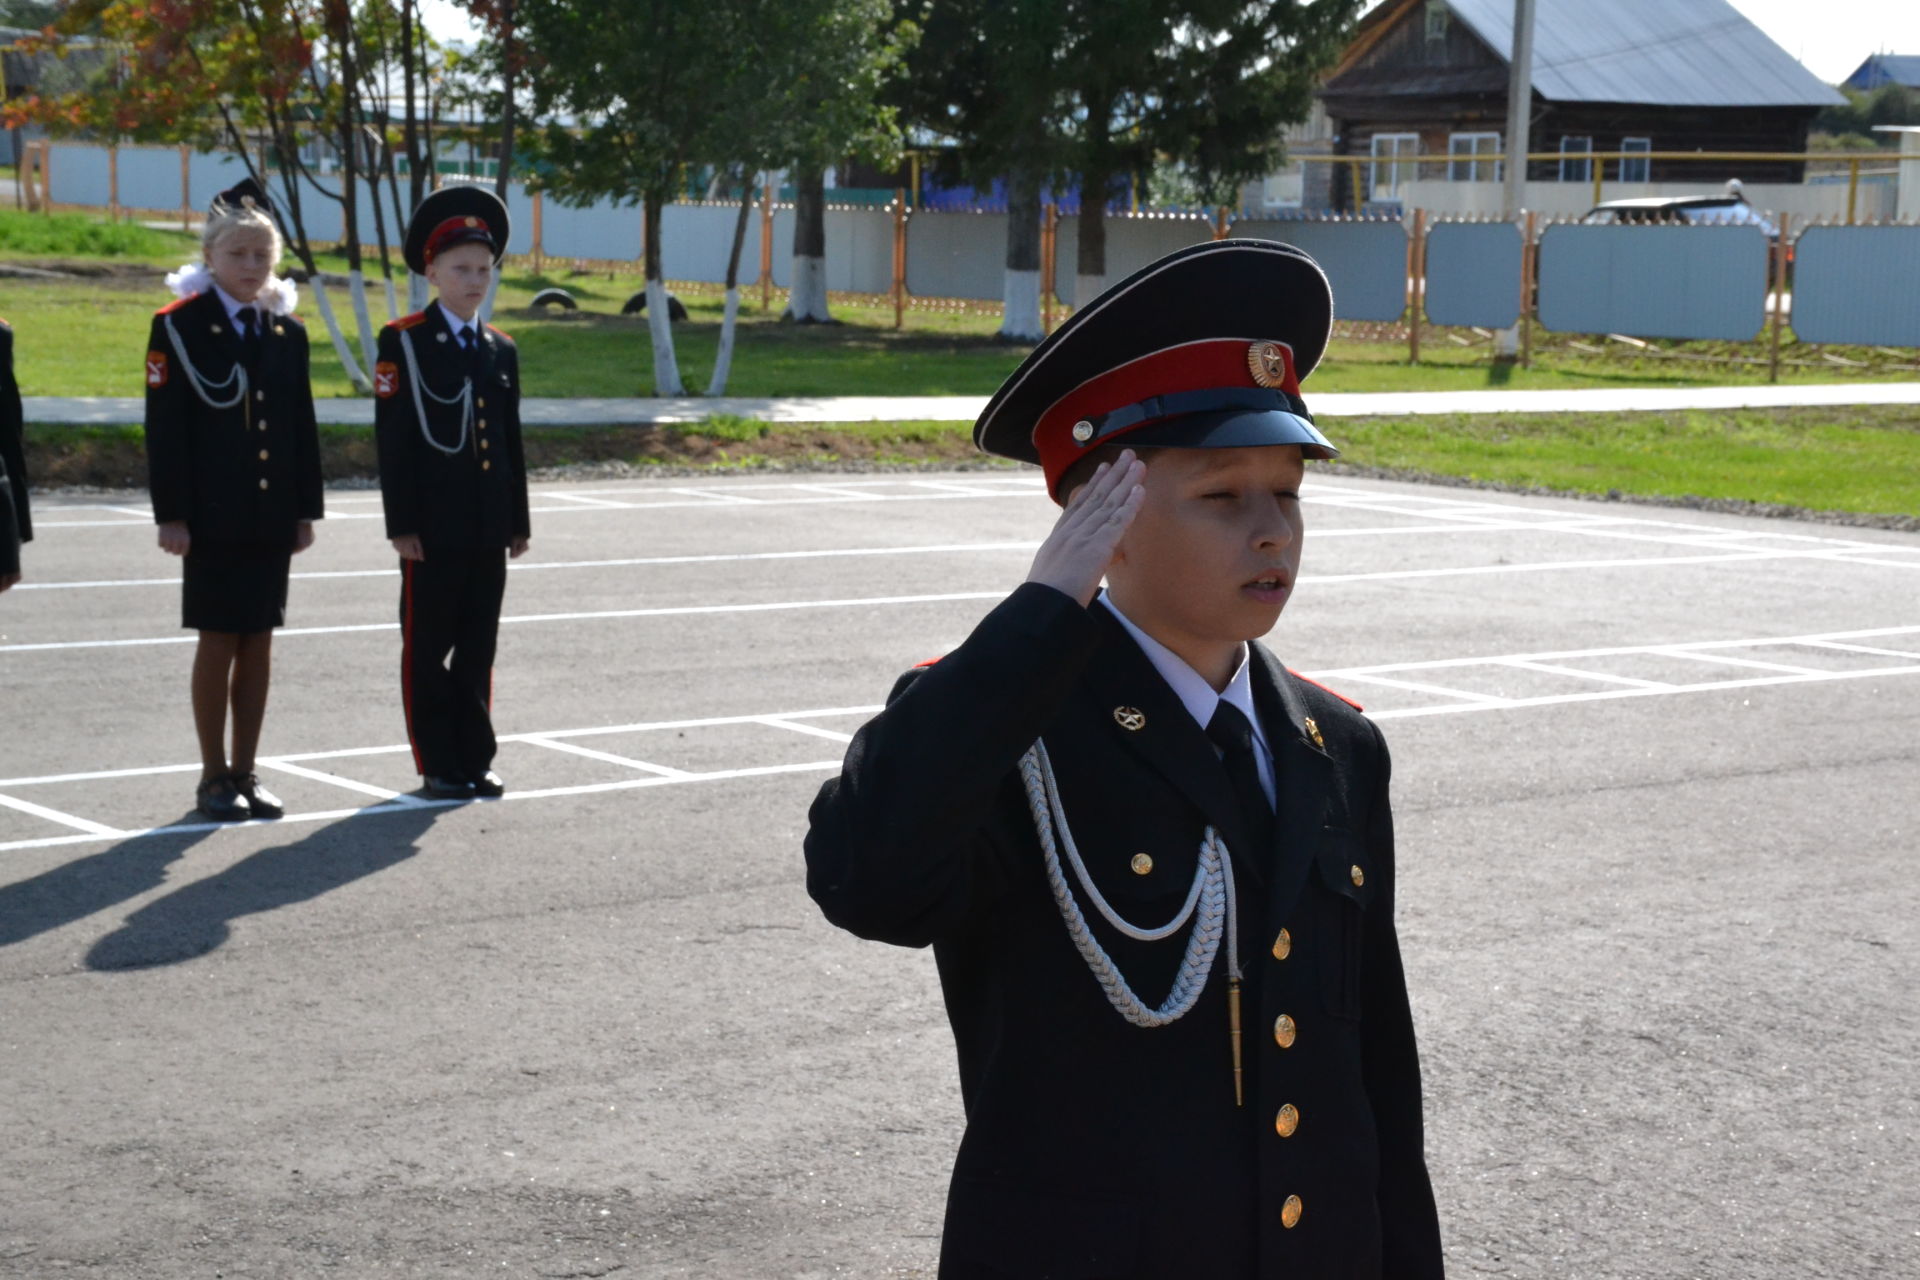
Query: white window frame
1576	162
1400	164
1473	162
1437	17
1636	170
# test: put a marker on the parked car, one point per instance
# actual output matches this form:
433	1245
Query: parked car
1730	209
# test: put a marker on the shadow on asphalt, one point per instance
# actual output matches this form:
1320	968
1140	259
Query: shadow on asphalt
196	918
75	890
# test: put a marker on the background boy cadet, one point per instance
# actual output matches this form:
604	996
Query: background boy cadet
454	484
16	526
1177	1059
233	467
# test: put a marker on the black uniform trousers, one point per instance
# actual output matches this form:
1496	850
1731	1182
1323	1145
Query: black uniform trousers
449	622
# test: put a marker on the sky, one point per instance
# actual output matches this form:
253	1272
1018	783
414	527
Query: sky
1831	37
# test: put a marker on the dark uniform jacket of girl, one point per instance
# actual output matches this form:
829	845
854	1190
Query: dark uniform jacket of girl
1095	1148
243	475
16	524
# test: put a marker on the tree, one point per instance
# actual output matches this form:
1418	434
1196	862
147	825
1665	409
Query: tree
988	74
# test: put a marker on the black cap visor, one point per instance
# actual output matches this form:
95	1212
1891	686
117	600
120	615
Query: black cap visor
1236	428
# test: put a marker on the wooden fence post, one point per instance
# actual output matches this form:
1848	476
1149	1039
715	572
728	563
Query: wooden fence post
1779	298
1853	188
186	188
46	175
539	233
766	248
1416	282
113	184
1220	223
1049	228
899	257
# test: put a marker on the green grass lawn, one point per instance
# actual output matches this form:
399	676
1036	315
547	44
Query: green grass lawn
84	336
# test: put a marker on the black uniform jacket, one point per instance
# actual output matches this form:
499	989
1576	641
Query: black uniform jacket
476	495
248	473
13	459
9	531
1096	1148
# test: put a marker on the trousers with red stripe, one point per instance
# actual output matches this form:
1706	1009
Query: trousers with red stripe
449	623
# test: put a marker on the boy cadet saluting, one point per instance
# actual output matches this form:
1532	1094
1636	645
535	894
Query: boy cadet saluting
233	467
1155	866
454	485
16	526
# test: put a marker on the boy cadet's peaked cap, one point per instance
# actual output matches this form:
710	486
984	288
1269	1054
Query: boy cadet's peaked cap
1203	349
455	215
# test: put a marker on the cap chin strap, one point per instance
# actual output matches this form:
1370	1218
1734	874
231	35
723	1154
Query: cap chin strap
1182	403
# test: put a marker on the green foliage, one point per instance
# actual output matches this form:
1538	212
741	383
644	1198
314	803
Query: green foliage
1889	104
75	235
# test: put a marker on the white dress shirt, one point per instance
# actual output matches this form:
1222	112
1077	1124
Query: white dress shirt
460	327
1197	695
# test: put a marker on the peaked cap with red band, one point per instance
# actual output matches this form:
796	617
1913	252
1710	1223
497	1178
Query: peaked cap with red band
1204	349
455	215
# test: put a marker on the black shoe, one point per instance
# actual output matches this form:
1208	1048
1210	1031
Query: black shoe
262	802
446	788
219	799
489	784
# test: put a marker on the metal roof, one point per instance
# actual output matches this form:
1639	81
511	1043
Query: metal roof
1886	68
1674	53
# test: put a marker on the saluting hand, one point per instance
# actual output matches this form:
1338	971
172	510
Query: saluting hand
174	538
1076	554
408	545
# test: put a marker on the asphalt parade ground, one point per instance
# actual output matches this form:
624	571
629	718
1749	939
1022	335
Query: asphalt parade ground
1657	783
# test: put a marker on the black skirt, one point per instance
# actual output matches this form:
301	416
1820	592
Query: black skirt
235	586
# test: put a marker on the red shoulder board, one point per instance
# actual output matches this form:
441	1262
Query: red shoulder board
929	662
175	305
408	322
1335	692
502	332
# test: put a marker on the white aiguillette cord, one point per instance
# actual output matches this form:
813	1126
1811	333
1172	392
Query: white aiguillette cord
236	376
464	399
1212	897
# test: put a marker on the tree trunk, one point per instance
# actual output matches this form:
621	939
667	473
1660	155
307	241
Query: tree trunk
723	362
807	301
355	372
509	115
1090	272
410	129
1021	319
666	368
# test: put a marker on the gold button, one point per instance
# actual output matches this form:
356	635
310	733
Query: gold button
483	424
1283	945
1141	864
1287	1121
263	455
263	482
1290	1213
1283	1031
259	395
486	465
1359	876
216	328
481	402
483	444
263	424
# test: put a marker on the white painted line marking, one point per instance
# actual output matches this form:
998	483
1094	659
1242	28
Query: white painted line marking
659	770
834	735
1418	687
589	501
1862	648
1722	659
350	784
1605	695
1440	664
1554	669
55	815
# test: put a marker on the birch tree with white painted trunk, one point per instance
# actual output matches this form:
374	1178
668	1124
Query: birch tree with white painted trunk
723	358
807	296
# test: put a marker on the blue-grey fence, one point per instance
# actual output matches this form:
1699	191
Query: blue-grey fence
1857	284
1365	260
1687	282
1473	274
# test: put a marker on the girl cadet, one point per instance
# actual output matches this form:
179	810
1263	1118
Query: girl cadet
233	462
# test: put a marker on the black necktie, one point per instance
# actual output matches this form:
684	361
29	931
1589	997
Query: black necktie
249	333
1233	734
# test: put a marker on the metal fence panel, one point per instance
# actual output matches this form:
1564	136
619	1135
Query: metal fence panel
1365	261
957	255
696	239
208	176
150	177
1473	274
77	175
1654	282
860	250
604	231
1857	284
1133	241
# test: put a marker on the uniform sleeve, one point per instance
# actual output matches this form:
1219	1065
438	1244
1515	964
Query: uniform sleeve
900	847
516	451
12	443
1391	1068
312	484
9	532
168	424
396	431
